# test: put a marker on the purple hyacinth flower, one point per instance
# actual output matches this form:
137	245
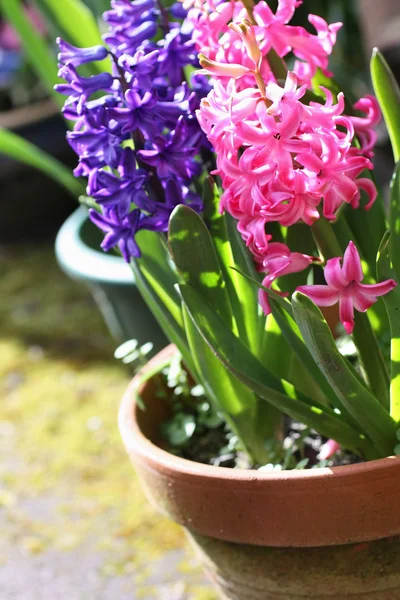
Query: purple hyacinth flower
175	193
71	55
119	231
140	68
175	103
172	154
138	114
81	88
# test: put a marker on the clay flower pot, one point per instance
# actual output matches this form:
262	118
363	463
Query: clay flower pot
321	533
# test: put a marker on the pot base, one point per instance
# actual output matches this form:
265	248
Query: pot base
356	571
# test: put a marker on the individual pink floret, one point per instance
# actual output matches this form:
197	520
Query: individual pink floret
328	450
344	286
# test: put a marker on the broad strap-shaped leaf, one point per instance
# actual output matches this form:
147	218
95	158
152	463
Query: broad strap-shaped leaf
388	93
232	398
155	280
367	411
196	260
16	147
157	267
231	250
395	221
248	312
216	225
385	270
35	47
281	394
274	296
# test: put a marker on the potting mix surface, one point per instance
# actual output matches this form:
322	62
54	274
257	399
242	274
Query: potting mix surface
74	521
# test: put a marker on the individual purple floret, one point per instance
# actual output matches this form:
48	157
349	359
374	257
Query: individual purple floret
172	154
120	231
137	113
121	191
71	56
175	54
80	89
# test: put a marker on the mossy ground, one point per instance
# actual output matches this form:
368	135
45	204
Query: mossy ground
66	485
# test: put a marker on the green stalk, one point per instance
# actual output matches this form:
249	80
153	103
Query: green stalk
385	270
372	360
364	337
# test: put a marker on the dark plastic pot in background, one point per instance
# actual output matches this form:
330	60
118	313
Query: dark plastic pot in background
109	279
32	205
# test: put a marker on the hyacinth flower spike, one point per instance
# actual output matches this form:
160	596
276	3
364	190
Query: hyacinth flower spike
344	286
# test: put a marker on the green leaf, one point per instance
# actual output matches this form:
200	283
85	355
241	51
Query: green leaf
226	393
35	48
178	429
320	79
281	394
392	304
156	266
230	250
155	280
248	313
18	148
283	302
366	410
395	221
388	93
79	25
194	255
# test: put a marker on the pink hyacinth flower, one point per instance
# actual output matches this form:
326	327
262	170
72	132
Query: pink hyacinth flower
344	286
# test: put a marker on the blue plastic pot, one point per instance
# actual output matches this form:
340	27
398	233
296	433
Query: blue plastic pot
109	279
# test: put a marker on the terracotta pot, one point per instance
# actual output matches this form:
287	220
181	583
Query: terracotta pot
321	533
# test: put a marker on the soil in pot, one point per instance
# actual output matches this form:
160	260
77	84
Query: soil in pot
195	431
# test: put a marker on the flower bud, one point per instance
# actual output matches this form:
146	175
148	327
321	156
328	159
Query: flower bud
246	31
212	67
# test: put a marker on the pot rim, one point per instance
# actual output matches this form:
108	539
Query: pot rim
133	437
80	261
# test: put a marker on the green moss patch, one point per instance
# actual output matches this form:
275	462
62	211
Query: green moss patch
65	480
